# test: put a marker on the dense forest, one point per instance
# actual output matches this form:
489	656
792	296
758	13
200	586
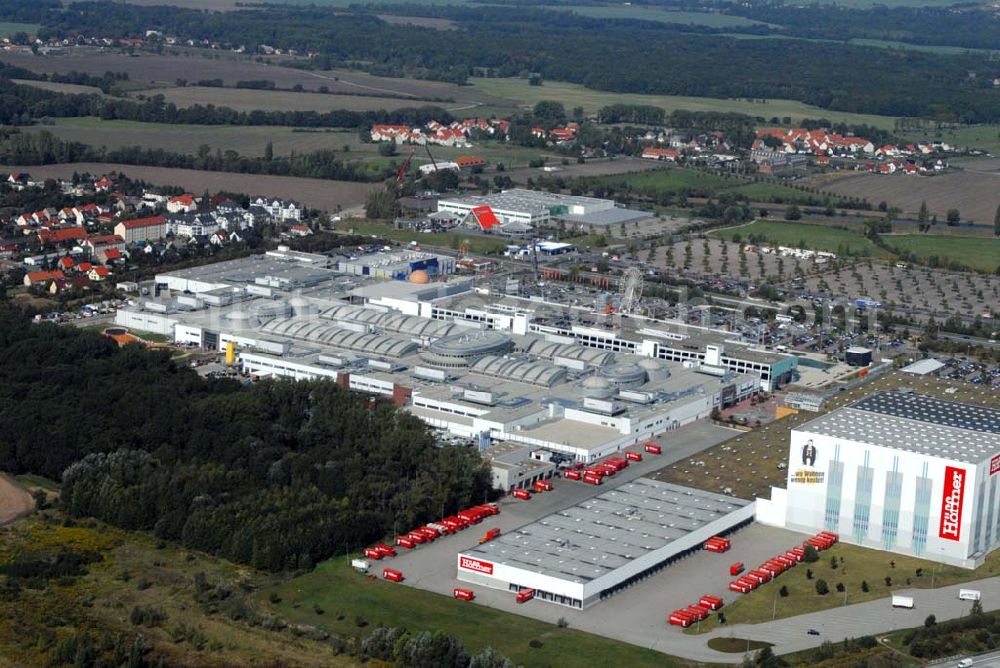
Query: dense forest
277	475
598	53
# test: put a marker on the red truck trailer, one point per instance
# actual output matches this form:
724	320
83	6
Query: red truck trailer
738	586
680	618
710	602
525	595
464	594
572	474
736	568
392	574
386	550
542	486
417	538
653	449
490	535
633	456
617	463
593	479
522	494
404	541
372	553
699	613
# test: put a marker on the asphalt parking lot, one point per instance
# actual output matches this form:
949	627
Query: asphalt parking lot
637	615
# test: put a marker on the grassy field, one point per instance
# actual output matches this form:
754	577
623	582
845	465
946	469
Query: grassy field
344	595
8	29
279	100
647	13
477	244
72	89
135	571
979	253
983	137
573	95
855	565
814	237
698	183
30	480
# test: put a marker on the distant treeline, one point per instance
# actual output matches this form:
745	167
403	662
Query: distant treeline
278	475
615	55
22	104
43	148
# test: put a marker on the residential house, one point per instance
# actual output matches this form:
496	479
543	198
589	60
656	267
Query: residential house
33	278
142	229
668	154
280	210
98	273
64	284
182	204
18	180
299	230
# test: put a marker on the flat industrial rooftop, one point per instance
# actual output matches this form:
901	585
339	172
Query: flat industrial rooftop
608	531
916	423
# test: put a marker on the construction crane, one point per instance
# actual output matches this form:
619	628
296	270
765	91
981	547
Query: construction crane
429	155
401	174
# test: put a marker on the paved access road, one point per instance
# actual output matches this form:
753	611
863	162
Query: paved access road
852	621
15	502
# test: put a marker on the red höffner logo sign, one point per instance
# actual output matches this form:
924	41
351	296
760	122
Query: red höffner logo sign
470	564
951	503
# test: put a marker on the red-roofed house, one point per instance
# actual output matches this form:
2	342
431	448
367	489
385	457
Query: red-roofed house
41	277
299	230
651	153
182	204
142	229
65	235
66	263
63	284
103	184
469	161
98	273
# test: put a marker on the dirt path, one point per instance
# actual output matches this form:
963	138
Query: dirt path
15	502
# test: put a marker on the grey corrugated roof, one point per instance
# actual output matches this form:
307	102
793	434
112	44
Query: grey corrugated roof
606	532
915	423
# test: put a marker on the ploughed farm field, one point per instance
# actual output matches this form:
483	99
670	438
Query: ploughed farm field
163	70
317	193
975	195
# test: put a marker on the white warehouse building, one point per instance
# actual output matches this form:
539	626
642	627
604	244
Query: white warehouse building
900	472
581	555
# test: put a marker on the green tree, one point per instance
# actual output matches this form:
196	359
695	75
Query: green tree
953	217
549	111
822	588
490	658
381	205
810	555
793	213
930	621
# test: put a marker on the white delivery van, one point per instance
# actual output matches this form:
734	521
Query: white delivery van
969	595
902	602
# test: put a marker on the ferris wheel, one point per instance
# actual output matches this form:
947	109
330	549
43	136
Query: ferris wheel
631	285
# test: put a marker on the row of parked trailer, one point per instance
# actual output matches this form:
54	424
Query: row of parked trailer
718	544
596	473
538	486
777	565
433	530
685	617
